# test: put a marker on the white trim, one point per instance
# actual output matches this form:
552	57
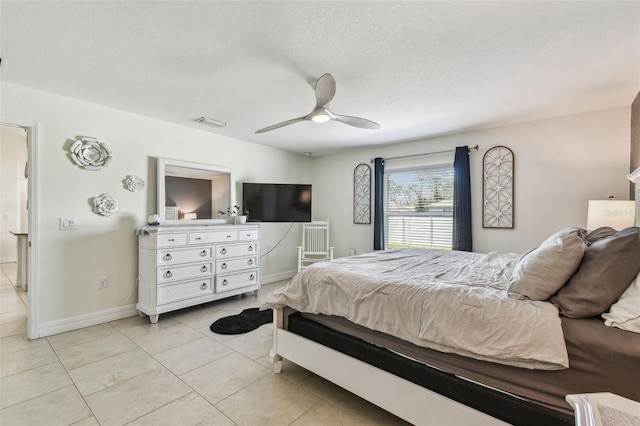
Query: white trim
87	320
8	259
33	295
634	176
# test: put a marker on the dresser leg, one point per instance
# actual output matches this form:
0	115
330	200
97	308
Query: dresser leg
154	318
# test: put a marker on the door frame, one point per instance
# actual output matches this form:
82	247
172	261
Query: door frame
33	294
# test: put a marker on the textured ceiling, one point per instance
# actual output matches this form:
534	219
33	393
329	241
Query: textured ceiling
419	69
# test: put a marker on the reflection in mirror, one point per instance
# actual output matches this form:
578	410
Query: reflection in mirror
192	192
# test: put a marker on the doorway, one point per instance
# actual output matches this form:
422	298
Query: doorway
13	230
18	275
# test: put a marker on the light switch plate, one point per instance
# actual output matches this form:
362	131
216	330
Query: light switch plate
67	223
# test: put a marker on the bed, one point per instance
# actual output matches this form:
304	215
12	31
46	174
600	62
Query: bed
493	356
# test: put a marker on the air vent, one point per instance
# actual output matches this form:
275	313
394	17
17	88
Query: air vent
210	122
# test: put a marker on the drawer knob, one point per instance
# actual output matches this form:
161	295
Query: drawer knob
250	262
250	248
203	253
168	256
223	251
228	236
204	269
198	238
203	286
252	277
223	266
171	240
168	274
225	282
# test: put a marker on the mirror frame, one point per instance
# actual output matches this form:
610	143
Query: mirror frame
189	169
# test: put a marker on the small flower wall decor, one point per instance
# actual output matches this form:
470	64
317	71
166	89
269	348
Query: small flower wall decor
105	205
134	183
90	154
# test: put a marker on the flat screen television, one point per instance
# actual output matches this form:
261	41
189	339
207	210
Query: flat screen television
277	202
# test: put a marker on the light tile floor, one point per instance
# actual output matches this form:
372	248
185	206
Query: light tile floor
175	372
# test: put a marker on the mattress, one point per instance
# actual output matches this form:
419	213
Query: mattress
601	359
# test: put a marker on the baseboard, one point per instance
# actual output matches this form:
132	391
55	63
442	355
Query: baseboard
47	328
8	259
268	279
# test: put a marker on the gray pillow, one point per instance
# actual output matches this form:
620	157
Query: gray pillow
599	233
543	271
564	232
607	268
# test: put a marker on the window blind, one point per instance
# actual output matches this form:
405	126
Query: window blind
418	207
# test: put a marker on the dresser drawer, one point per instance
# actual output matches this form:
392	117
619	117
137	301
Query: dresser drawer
212	237
237	264
228	282
233	250
174	292
172	240
168	257
183	272
248	235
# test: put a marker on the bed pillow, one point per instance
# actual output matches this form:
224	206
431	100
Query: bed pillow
607	268
599	233
564	232
625	313
542	272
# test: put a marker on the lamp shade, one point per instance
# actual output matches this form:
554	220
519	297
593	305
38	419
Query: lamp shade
616	214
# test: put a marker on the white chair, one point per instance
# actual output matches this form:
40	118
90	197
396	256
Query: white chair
315	244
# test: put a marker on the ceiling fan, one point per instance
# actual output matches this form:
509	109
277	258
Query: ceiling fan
325	91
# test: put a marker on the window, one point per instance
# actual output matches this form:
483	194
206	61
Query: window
418	207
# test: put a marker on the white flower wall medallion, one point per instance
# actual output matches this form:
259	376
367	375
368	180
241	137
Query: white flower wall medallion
497	188
105	205
90	154
134	183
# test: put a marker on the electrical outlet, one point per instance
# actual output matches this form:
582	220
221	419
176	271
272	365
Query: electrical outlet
103	282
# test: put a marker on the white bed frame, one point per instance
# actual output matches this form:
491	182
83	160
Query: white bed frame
405	399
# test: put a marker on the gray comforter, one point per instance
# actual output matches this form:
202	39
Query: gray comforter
444	300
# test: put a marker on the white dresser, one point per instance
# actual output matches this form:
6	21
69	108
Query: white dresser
182	266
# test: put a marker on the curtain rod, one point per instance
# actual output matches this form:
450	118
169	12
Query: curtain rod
426	153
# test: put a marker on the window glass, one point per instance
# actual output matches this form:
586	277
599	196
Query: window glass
418	207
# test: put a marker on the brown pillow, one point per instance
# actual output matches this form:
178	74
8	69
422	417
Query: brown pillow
599	233
607	268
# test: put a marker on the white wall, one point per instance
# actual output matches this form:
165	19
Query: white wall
72	261
560	164
13	155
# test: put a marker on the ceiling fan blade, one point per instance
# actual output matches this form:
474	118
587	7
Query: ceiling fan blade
325	90
357	122
277	126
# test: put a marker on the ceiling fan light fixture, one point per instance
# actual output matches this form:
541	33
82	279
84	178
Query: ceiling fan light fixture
210	122
320	118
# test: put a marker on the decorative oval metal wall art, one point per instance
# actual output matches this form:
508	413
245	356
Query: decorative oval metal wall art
497	188
105	205
362	194
90	154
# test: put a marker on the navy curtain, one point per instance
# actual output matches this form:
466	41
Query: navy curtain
461	200
378	206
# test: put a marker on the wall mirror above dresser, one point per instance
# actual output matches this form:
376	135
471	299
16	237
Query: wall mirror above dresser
193	193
